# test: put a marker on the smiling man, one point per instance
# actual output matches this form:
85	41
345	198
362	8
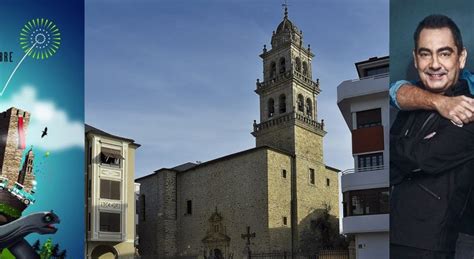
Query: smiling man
432	158
438	58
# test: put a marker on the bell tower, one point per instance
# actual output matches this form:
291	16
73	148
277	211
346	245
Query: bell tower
288	104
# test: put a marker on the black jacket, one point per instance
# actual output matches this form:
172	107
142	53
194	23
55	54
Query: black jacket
432	176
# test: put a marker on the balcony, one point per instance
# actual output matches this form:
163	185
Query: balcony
366	224
367	89
362	87
366	140
291	118
291	74
365	178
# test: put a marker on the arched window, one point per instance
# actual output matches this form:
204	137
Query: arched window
298	64
271	107
282	103
300	103
309	107
305	68
282	65
273	70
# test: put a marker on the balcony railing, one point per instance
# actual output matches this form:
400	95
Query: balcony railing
363	169
288	75
293	116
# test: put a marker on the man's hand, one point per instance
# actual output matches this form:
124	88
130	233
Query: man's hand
459	109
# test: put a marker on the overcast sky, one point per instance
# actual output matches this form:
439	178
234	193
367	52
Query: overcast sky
179	76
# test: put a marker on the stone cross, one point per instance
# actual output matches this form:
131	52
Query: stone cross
247	236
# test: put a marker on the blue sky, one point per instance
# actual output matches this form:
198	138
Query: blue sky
179	76
52	91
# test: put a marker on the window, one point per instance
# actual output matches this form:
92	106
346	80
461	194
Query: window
305	68
298	64
285	221
189	207
370	161
309	107
369	118
273	69
89	156
328	182
282	65
109	189
271	107
376	71
142	207
300	103
110	157
366	202
282	103
312	178
283	173
109	222
89	188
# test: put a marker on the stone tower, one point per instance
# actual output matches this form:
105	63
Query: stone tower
13	130
26	176
288	121
288	114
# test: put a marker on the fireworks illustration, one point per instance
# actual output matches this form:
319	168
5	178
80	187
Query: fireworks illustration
40	38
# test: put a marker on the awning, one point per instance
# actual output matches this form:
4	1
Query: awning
112	153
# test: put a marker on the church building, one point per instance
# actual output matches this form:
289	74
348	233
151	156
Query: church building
269	194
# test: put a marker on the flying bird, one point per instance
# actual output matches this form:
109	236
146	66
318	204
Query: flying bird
45	132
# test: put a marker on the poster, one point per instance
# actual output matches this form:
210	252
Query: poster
42	128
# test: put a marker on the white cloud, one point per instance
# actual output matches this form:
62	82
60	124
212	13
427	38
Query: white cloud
62	132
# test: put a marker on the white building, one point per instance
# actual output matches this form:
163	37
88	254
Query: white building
364	104
111	195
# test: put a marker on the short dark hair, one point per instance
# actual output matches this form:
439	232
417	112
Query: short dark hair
438	21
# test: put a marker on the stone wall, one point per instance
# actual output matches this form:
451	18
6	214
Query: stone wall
279	201
157	230
312	198
279	136
234	186
10	154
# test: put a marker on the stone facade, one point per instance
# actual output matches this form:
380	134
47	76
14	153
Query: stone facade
10	152
27	176
276	188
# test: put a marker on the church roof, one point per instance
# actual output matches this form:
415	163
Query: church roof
191	166
286	32
332	168
184	167
287	26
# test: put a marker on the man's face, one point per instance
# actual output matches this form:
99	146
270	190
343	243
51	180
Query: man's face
437	59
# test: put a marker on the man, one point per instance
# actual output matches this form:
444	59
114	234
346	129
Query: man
432	158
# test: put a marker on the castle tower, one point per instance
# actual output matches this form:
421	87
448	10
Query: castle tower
26	172
13	131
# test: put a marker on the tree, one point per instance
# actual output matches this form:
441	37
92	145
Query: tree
36	245
323	233
55	250
62	255
46	250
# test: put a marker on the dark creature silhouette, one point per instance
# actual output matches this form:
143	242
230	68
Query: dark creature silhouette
12	234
